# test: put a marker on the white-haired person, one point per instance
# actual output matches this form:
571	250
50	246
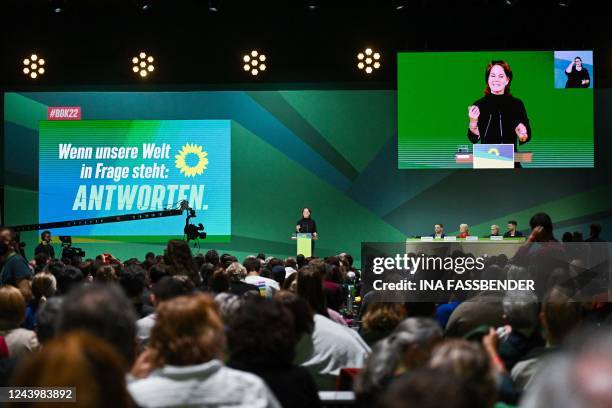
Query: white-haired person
464	231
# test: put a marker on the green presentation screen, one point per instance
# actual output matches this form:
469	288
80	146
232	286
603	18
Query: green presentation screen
437	89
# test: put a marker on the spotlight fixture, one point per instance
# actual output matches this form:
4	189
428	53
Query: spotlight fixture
144	5
143	64
368	60
58	6
34	66
565	3
214	5
312	5
254	62
400	4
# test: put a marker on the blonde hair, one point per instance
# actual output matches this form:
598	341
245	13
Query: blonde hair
464	226
12	307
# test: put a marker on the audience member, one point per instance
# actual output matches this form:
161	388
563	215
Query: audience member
104	311
267	287
184	366
262	339
20	342
82	361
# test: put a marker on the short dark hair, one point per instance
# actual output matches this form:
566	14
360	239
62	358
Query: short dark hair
577	57
212	257
68	278
170	287
252	264
261	334
133	280
440	224
45	232
542	220
104	311
157	272
513	222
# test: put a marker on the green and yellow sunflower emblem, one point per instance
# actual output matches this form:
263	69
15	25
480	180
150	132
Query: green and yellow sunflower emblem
191	160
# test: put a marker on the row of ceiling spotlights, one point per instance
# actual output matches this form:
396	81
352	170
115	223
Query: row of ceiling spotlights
254	63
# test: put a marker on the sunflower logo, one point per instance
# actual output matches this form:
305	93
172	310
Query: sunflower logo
191	160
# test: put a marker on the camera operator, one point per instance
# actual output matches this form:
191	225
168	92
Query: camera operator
45	245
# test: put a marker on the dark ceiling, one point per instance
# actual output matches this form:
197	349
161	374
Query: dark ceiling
90	43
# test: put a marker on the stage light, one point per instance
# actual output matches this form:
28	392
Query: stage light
144	5
57	6
399	4
368	60
143	64
565	3
312	5
34	66
214	5
253	62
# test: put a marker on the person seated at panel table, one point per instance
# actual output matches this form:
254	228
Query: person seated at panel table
494	230
438	231
464	231
512	231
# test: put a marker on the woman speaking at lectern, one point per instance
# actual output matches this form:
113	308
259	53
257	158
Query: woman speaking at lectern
306	225
498	117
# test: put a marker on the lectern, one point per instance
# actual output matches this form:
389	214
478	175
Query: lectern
304	244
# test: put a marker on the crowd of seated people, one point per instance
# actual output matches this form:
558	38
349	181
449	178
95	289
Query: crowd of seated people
213	330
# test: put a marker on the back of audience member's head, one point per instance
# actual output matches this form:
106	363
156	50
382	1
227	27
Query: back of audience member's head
252	264
156	272
407	347
12	307
68	278
560	315
567	237
301	312
44	285
290	282
261	334
310	288
106	274
278	274
429	388
226	260
219	281
41	259
301	261
47	319
180	261
206	272
170	287
104	311
54	267
212	257
383	316
236	272
188	331
521	310
132	279
78	360
467	360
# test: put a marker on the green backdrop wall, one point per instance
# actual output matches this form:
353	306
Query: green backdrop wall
332	150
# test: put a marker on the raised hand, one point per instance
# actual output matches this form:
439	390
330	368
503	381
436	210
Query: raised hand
473	112
521	132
